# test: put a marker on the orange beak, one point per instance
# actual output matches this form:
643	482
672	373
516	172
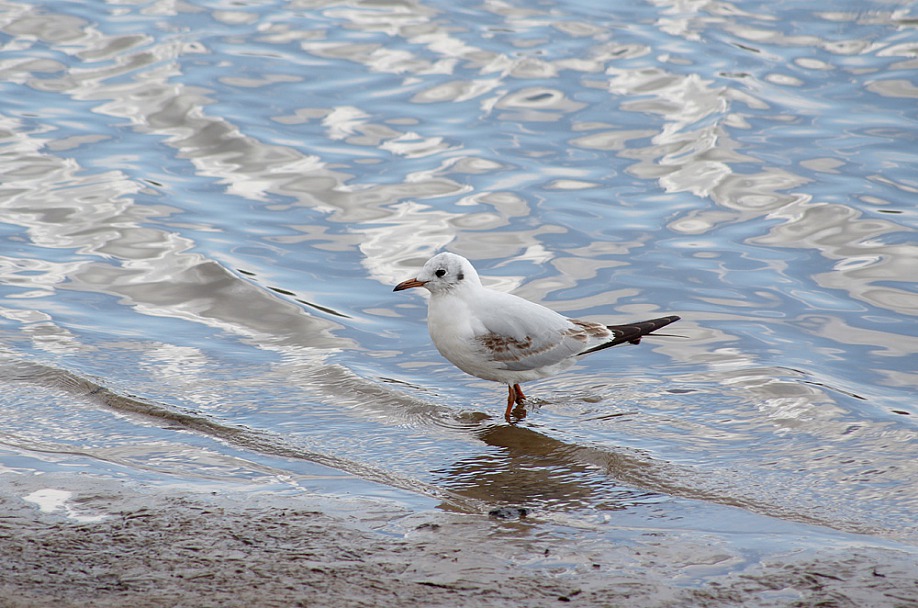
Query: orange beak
409	284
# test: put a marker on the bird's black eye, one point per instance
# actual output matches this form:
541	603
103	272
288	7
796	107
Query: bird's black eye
461	276
440	272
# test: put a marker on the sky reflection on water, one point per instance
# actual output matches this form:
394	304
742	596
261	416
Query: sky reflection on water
206	206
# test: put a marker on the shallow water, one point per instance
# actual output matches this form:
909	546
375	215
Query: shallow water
205	205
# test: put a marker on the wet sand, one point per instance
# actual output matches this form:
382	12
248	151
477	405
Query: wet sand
180	549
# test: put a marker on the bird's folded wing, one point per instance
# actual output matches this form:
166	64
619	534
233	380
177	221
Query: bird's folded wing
519	335
532	350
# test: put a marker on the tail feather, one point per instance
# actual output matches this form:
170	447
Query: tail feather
632	332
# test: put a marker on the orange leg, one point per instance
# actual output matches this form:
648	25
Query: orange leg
520	397
511	401
515	396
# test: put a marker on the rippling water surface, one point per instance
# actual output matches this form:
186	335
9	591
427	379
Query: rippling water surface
204	207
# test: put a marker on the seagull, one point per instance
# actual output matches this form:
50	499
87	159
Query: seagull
501	337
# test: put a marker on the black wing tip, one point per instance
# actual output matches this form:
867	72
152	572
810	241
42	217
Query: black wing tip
658	323
663	320
644	327
633	332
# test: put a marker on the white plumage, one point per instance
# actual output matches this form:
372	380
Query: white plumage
502	337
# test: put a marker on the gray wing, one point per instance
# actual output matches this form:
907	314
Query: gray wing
520	335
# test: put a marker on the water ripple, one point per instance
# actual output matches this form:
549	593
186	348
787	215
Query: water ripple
206	209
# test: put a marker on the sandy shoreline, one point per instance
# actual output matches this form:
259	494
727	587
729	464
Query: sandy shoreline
180	549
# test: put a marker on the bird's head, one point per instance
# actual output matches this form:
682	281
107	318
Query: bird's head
443	273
